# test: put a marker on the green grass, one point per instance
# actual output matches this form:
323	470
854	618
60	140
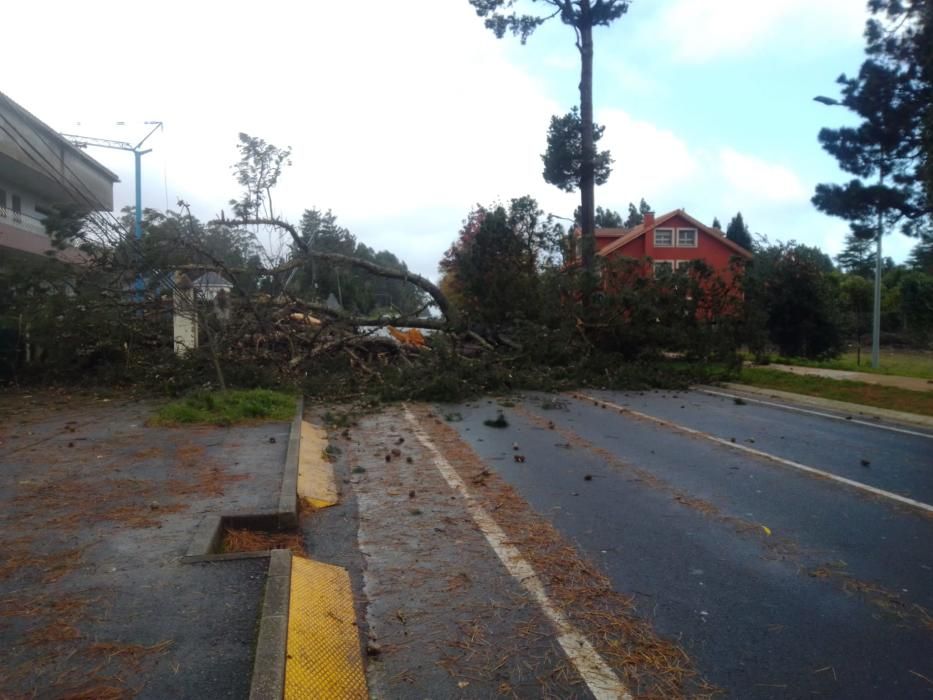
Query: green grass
904	363
875	395
227	408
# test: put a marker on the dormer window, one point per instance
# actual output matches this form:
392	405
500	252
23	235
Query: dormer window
664	238
686	238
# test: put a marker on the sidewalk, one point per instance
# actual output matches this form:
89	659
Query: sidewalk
910	383
96	512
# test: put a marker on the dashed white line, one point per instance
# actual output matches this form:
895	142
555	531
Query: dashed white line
758	453
904	431
595	672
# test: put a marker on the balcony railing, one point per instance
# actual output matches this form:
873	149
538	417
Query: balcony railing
22	221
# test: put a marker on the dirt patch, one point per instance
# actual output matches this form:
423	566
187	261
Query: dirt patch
245	540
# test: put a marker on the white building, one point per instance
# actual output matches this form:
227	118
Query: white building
40	169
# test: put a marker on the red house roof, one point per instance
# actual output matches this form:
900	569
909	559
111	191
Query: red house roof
625	236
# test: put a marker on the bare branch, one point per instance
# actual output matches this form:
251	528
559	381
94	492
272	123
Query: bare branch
421	282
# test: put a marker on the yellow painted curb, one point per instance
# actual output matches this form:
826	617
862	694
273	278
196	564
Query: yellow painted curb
323	658
316	482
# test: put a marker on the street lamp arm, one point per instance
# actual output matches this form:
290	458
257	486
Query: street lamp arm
81	141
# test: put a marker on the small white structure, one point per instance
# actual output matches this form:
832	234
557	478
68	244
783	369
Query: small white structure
210	284
184	315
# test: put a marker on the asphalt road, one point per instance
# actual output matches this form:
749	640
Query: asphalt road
778	583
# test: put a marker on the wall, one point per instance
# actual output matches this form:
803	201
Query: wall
39	161
715	253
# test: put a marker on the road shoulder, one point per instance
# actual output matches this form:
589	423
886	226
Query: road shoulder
842	407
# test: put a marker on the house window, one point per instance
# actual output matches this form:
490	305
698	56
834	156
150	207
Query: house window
686	238
2	202
17	207
682	264
663	267
664	238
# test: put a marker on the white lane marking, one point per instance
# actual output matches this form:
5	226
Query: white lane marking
598	676
713	392
758	453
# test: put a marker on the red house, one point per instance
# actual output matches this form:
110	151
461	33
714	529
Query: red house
672	240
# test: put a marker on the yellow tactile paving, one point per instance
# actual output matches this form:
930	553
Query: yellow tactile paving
316	483
323	658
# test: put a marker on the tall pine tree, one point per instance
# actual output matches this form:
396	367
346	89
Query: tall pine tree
857	257
889	151
737	232
637	216
582	15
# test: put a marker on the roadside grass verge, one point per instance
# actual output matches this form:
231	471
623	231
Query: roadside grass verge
227	408
903	363
888	397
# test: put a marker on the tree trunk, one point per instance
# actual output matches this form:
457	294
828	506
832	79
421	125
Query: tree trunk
587	184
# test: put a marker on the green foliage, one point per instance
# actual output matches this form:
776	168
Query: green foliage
66	225
791	285
738	232
921	257
257	172
582	16
563	160
905	363
716	225
605	218
900	35
858	256
889	152
500	19
916	301
174	239
693	310
637	216
227	408
856	300
355	289
493	269
888	397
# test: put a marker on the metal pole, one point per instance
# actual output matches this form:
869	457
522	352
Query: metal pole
138	156
876	316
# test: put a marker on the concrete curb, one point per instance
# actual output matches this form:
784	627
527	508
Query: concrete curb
268	682
268	679
288	497
207	538
864	412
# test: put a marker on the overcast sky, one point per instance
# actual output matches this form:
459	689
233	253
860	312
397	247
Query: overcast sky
403	115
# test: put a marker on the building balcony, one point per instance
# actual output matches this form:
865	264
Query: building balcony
22	221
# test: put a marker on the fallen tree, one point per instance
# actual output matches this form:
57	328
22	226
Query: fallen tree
305	253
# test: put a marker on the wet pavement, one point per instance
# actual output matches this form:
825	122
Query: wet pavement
96	511
776	583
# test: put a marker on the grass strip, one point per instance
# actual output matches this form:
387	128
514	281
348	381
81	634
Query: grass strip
903	363
876	395
227	408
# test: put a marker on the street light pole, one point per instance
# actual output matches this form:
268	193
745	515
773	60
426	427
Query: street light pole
876	314
84	141
876	311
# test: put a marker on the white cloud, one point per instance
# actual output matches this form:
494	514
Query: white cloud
400	120
758	179
650	162
707	29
